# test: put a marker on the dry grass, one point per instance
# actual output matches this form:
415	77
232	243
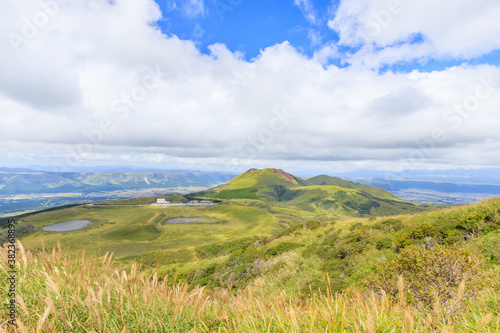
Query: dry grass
58	292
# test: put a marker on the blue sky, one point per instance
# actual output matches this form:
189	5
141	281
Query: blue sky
249	26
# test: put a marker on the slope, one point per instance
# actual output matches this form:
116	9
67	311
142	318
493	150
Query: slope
335	181
349	250
255	184
319	195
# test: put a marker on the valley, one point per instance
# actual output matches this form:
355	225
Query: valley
260	203
25	190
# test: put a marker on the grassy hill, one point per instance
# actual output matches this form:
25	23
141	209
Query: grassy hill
285	255
374	274
132	231
348	249
335	181
318	195
261	178
255	184
258	203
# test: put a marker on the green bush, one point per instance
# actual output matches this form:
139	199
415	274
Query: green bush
452	240
281	248
478	223
429	276
384	243
403	240
389	225
312	225
424	230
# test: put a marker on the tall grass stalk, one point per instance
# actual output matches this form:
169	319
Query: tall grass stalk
60	292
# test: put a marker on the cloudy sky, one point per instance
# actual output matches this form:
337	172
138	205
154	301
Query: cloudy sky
232	84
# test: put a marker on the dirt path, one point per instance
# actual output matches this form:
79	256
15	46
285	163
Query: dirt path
153	218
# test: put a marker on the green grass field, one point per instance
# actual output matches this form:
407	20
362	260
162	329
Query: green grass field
436	271
295	258
129	231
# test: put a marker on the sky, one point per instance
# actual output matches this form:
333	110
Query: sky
227	85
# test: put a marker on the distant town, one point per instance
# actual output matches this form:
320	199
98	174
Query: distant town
163	202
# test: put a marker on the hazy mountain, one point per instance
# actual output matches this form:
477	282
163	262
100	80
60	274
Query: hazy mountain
18	181
24	190
473	176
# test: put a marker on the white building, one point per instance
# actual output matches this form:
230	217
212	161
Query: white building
162	201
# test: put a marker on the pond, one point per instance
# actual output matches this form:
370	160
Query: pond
190	220
67	226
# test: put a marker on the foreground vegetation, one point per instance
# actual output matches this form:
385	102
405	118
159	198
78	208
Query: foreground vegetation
435	271
59	292
348	249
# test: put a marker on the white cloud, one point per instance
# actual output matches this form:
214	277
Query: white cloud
315	37
450	28
109	77
307	9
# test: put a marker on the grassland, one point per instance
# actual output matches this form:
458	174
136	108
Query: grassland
289	265
128	231
64	291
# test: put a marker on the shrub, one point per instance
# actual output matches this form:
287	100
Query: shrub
356	226
312	225
452	239
403	240
384	243
389	225
281	248
477	223
432	277
473	224
424	232
357	236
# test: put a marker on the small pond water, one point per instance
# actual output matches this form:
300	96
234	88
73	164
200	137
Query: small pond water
190	220
67	226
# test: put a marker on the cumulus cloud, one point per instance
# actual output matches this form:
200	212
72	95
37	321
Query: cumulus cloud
447	29
107	85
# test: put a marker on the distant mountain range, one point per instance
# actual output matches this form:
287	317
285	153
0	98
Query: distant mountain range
489	176
22	181
23	190
447	187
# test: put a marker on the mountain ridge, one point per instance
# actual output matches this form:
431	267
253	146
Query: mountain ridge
319	193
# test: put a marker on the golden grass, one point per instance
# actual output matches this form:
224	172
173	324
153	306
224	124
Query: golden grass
61	292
